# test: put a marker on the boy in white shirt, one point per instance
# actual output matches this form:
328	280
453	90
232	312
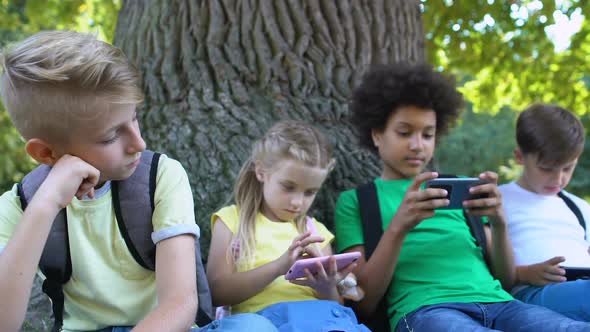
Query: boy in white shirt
546	233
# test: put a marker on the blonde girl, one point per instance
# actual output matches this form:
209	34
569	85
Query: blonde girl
255	241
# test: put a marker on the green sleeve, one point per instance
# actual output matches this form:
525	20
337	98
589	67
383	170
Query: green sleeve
349	231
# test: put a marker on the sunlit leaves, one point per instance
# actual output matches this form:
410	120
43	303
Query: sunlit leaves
503	53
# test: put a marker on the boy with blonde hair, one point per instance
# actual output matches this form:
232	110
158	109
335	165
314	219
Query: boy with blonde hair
73	99
547	224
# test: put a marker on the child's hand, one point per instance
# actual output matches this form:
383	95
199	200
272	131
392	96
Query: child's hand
299	246
417	204
325	282
542	274
69	177
491	206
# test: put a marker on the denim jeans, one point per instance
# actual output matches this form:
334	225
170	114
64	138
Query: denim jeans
511	316
312	316
570	298
237	323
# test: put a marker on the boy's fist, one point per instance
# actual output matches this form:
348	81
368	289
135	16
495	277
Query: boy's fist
69	177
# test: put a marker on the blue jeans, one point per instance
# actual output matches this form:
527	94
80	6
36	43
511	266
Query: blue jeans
570	298
312	316
238	323
512	316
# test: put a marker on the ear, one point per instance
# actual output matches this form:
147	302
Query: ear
376	136
259	170
518	156
41	151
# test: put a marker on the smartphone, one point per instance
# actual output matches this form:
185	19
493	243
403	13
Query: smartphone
575	273
342	260
457	190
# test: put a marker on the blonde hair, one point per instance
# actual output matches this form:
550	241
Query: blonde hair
286	140
54	79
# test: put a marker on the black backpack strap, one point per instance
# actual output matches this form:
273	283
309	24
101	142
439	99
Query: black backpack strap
370	216
55	262
477	229
575	209
133	202
205	310
370	213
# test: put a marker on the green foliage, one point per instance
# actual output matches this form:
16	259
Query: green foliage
30	16
16	162
503	52
479	143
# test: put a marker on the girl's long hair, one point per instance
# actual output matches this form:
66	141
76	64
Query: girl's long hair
286	140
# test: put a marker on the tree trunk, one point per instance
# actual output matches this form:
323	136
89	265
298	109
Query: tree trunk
218	73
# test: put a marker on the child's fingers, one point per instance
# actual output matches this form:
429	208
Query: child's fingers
294	245
432	204
421	178
313	250
555	260
309	276
348	269
321	272
554	277
482	203
489	176
332	266
556	270
301	237
311	239
431	193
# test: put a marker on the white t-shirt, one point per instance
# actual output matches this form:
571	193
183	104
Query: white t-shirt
541	227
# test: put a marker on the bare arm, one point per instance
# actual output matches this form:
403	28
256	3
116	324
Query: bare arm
500	251
177	286
18	261
230	287
374	276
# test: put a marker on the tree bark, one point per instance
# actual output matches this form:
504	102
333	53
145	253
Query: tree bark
218	73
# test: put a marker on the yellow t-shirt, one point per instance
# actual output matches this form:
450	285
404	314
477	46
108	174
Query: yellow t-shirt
272	240
108	287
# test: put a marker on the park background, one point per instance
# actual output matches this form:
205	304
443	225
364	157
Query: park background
218	73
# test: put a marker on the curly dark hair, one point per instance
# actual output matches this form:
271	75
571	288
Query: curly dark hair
385	88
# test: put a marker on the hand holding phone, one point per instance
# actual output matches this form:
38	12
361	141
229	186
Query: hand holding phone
342	261
457	190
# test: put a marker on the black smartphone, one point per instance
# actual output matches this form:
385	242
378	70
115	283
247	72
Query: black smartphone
457	190
575	273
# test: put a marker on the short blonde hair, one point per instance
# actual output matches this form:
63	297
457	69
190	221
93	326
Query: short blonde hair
53	79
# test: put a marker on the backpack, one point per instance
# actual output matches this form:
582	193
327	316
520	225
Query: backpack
133	202
370	210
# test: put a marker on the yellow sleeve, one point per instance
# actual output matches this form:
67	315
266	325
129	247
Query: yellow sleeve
174	208
230	217
10	215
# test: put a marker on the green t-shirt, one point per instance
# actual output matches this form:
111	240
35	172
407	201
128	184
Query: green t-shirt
439	261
